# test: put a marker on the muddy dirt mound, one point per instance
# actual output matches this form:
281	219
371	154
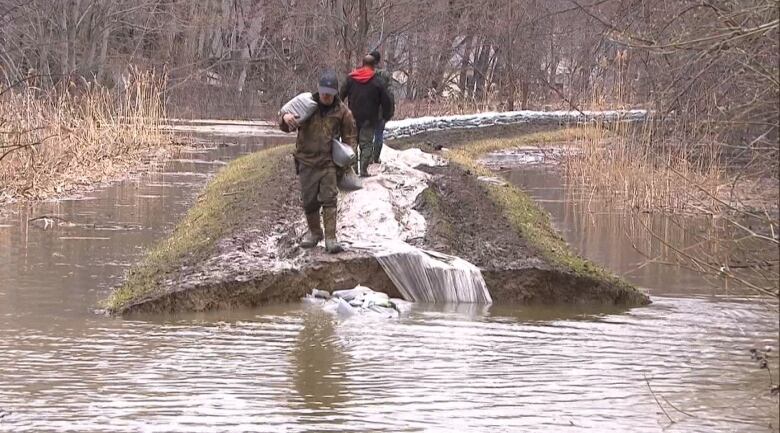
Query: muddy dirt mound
463	218
238	245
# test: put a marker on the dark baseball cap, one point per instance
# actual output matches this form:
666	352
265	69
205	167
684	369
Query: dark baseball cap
329	83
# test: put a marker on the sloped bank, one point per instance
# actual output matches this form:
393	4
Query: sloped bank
483	220
238	244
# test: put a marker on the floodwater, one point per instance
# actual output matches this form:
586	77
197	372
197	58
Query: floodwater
291	369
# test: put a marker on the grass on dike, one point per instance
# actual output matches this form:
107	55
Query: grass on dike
523	214
216	213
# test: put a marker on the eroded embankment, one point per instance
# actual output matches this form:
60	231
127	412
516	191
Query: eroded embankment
238	244
497	226
499	229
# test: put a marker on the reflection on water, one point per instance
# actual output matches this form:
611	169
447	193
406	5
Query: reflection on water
289	368
317	364
640	247
68	262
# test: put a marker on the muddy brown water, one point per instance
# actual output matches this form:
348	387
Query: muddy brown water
289	368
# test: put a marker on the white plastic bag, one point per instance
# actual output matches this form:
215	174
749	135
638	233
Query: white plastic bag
343	155
350	294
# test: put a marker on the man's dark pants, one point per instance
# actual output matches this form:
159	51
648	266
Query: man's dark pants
319	190
366	145
379	139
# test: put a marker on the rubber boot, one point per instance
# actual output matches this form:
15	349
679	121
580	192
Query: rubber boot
377	152
314	235
365	160
332	245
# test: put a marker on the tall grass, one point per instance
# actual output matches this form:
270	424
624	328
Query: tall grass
76	133
627	162
649	172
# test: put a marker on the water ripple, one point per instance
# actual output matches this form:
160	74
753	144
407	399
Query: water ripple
435	371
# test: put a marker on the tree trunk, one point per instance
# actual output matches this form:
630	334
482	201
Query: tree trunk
101	62
342	32
43	57
524	94
93	40
65	51
72	31
464	66
363	24
481	72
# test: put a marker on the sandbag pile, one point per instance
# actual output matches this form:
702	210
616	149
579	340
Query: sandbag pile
407	127
360	300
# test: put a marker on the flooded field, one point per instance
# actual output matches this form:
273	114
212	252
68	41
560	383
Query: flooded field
294	369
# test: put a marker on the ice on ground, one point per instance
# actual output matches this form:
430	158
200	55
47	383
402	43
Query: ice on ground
492	180
523	156
228	129
224	122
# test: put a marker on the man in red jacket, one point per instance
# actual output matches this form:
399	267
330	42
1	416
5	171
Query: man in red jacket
367	97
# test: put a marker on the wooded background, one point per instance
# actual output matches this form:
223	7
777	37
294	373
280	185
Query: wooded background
79	79
240	58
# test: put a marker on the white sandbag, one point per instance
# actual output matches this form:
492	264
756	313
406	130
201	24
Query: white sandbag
350	294
402	306
339	307
349	181
359	301
302	106
344	309
324	294
379	299
313	300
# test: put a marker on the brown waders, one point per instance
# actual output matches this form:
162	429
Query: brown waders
319	191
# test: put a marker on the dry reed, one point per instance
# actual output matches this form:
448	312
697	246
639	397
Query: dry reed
52	142
626	162
651	173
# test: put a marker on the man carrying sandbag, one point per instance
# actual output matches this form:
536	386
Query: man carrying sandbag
314	161
367	94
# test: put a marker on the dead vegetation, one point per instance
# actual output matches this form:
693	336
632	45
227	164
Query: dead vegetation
623	162
711	148
685	206
77	133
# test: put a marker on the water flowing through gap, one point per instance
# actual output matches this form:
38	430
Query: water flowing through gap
381	219
432	277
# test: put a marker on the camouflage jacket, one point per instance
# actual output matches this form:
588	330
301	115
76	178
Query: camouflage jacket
387	80
313	144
